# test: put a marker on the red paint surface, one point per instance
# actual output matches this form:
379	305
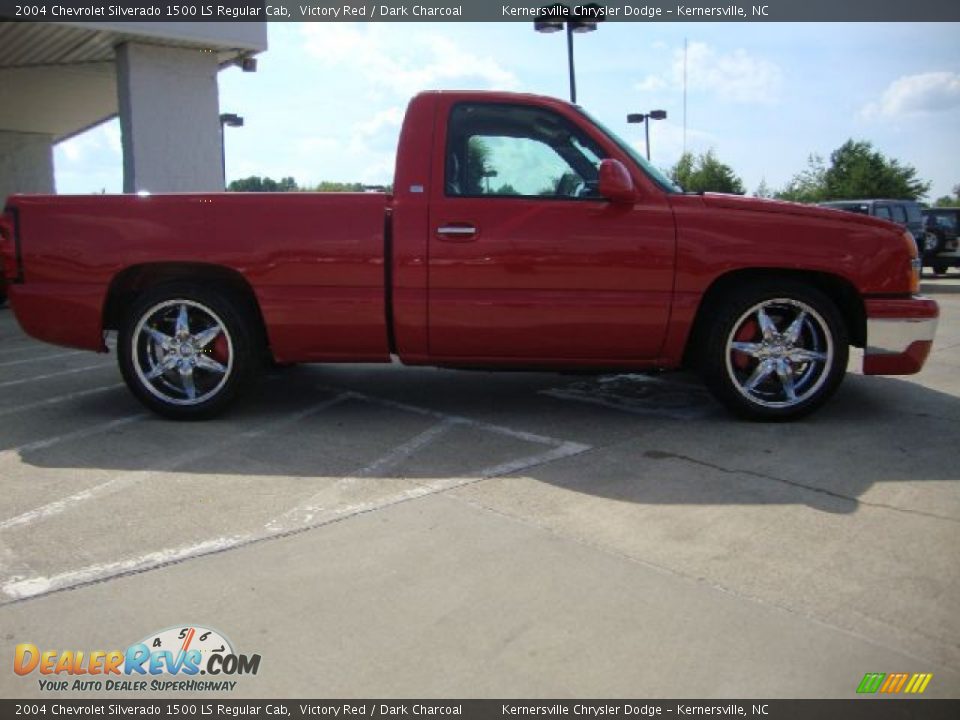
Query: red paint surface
543	282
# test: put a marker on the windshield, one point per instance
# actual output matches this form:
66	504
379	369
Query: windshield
653	173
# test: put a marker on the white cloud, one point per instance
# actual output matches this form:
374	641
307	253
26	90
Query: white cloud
400	63
390	118
651	83
91	161
736	76
911	94
666	142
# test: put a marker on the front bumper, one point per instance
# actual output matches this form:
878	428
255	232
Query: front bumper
899	334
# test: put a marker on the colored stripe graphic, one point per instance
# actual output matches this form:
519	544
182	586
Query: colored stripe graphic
871	682
893	683
918	683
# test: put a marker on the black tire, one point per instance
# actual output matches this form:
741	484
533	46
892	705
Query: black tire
140	354
773	359
940	268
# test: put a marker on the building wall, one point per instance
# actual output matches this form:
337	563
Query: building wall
26	163
169	119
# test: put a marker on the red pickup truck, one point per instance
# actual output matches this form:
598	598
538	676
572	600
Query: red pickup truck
520	233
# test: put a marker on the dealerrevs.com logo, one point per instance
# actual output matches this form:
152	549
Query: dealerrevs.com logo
169	660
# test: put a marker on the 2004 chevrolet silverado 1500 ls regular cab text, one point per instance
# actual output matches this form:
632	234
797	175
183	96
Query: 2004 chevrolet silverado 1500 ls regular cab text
520	234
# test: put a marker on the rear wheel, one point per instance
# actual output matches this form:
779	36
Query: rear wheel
932	244
776	351
186	351
940	268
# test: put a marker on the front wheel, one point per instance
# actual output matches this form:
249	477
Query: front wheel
185	351
776	351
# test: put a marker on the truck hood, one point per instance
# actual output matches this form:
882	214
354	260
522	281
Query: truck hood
781	207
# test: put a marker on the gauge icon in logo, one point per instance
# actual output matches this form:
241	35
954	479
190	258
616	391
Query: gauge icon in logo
181	639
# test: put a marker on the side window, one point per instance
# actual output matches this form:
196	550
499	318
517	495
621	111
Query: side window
899	215
882	212
518	151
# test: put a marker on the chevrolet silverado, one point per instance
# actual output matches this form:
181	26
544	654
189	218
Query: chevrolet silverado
520	233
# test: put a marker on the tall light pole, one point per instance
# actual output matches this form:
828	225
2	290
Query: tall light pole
227	120
547	22
646	118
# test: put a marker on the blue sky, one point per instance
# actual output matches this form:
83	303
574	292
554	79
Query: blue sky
328	98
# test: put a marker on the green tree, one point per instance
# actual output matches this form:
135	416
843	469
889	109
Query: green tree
949	200
763	190
705	173
809	185
255	183
331	186
474	175
856	171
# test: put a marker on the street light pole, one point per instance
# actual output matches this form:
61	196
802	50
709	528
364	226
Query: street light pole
646	118
226	120
573	75
546	23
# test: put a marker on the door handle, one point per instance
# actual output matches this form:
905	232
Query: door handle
459	232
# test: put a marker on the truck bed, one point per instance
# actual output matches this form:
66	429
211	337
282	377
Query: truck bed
315	262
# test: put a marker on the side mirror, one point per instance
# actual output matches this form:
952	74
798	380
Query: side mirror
615	182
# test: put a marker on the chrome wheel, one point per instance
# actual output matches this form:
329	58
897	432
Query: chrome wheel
779	353
182	352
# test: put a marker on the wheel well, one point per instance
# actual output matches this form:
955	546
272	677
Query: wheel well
131	282
843	294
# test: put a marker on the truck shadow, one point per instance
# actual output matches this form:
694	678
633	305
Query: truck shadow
667	445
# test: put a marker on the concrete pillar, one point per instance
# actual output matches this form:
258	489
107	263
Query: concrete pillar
26	163
169	119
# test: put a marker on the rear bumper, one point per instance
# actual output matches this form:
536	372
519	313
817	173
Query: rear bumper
900	334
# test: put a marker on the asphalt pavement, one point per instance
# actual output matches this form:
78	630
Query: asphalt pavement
380	531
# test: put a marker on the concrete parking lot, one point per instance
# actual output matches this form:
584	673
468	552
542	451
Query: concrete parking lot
392	532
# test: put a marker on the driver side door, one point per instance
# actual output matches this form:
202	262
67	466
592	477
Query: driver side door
526	261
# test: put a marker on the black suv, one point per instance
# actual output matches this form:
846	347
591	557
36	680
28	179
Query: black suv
907	213
942	223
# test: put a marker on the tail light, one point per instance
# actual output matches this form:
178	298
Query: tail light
916	264
9	269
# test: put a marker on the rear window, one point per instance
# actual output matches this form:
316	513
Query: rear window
948	221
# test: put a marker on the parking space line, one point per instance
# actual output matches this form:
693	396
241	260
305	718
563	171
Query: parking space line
128	479
567	449
58	399
307	510
67	437
27	345
19	588
42	358
37	378
500	429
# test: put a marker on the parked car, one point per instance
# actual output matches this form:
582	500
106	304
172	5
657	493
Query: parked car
906	213
520	234
943	223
